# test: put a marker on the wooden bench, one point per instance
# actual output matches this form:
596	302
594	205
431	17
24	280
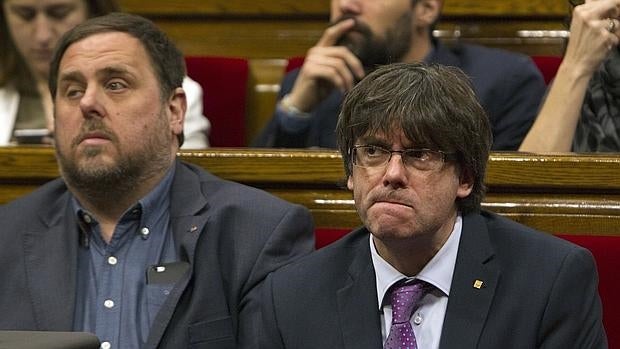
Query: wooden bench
574	196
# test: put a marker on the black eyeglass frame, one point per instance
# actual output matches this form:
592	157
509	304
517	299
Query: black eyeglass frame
444	156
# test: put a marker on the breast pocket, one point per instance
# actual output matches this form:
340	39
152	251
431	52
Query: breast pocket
216	333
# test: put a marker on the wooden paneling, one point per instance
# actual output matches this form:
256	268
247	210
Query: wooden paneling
569	193
285	28
242	37
264	85
532	8
505	8
223	8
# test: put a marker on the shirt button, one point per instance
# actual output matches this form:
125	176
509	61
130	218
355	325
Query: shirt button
87	219
417	319
106	345
108	303
112	260
145	232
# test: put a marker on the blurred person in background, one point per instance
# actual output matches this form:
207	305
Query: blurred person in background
29	31
365	34
581	112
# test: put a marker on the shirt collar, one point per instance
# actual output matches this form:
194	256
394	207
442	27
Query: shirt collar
147	210
437	272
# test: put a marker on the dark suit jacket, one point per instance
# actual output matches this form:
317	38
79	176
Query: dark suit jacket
541	292
509	86
231	235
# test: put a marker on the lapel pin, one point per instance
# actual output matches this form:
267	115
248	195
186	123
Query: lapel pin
193	229
478	284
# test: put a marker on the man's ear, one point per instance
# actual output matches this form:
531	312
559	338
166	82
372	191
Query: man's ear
350	182
177	105
427	12
466	183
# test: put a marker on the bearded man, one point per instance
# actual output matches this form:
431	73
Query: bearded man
132	244
365	34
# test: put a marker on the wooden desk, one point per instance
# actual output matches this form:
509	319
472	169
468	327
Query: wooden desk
566	194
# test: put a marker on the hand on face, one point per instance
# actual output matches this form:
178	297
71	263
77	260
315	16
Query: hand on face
326	67
594	32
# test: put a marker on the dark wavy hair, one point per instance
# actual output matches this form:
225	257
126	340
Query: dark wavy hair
436	108
12	66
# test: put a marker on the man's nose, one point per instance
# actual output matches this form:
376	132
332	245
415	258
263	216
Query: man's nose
350	6
90	103
396	174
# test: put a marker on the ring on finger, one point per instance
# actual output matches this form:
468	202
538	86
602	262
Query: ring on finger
611	25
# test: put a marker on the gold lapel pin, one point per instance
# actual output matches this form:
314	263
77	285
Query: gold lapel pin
478	284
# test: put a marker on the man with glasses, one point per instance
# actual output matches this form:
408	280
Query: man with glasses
429	269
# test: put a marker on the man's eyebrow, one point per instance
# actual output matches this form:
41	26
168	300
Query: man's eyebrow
113	70
74	76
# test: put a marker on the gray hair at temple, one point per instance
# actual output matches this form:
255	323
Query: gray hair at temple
436	108
167	60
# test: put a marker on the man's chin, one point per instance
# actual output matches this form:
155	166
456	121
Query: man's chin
355	42
94	160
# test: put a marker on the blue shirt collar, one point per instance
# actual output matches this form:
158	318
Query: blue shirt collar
148	209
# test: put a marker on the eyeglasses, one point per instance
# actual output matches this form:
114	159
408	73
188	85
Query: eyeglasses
369	156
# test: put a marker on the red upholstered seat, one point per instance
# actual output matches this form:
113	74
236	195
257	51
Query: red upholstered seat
294	62
606	251
325	236
224	81
548	66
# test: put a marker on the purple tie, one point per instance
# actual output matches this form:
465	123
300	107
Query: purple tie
404	298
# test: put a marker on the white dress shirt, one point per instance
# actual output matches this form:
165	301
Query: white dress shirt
427	320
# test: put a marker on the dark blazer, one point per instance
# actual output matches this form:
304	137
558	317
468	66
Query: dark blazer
509	86
231	235
540	292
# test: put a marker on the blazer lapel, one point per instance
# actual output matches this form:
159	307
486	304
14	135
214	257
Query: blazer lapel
51	266
188	218
356	300
473	286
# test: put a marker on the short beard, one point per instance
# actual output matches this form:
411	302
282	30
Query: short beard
108	184
373	51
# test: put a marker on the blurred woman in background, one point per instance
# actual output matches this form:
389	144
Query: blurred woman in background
581	112
29	31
